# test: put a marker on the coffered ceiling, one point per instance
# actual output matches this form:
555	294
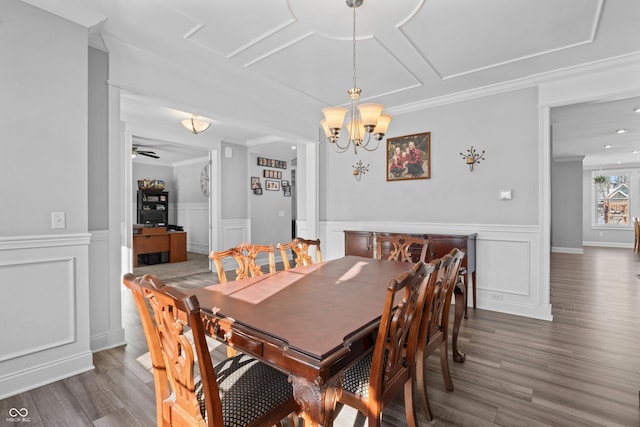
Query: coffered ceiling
294	57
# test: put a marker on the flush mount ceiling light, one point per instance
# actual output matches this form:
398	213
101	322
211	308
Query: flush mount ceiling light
364	118
621	131
636	110
195	125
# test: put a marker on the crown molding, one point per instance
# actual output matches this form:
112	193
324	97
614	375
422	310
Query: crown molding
80	16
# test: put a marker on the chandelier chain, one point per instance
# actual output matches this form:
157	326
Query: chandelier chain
354	46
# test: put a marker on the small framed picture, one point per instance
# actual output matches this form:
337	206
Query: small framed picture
272	185
255	182
257	191
284	183
287	191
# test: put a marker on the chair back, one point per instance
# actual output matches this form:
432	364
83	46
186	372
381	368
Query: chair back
218	258
245	256
398	247
636	227
251	253
392	366
174	357
299	249
439	295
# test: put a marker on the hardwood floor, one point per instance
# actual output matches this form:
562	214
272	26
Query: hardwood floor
580	370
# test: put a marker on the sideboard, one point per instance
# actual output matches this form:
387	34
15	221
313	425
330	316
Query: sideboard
364	243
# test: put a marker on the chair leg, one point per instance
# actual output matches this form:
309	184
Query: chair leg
444	364
409	406
231	352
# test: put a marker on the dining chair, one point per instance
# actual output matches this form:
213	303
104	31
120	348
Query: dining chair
251	252
398	247
636	242
305	247
237	392
299	252
219	257
375	379
434	326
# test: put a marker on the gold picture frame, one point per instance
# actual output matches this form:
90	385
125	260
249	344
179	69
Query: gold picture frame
409	157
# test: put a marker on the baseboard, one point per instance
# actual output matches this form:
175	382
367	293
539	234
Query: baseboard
107	340
37	376
567	250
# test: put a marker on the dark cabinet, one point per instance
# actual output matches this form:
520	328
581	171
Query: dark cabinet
153	207
364	243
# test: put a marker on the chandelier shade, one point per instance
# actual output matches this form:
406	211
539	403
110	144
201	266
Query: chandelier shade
364	119
195	125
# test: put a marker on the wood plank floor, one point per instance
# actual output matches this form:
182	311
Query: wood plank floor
580	370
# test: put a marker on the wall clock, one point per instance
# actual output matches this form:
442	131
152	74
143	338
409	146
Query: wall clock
204	180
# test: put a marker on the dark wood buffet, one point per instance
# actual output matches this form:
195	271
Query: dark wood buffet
364	243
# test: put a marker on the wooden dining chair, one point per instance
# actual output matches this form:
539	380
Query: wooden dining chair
434	326
237	392
636	227
218	258
374	381
251	253
398	247
298	251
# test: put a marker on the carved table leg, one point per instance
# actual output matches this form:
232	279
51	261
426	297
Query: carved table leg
461	300
317	400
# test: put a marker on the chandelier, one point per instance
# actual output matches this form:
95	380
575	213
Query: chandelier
364	118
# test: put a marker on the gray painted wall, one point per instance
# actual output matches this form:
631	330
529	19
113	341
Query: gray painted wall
505	125
98	140
43	122
566	205
270	212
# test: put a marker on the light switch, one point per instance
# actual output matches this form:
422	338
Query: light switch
280	213
505	194
58	220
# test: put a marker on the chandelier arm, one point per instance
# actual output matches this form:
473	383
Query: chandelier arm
339	148
365	146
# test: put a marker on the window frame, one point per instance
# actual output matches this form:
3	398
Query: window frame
633	175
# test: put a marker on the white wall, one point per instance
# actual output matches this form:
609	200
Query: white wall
192	207
44	289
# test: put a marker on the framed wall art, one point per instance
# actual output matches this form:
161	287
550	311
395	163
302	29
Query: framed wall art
255	182
409	157
272	185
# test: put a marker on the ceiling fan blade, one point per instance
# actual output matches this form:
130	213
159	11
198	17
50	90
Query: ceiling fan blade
148	154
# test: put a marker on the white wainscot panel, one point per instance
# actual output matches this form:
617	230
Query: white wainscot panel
505	268
36	294
234	231
195	220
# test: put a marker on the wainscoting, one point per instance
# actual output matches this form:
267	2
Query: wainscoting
44	286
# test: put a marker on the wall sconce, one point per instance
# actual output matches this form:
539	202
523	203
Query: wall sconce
472	157
359	170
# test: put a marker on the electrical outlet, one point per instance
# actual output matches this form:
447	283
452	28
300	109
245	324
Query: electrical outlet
58	220
505	194
496	297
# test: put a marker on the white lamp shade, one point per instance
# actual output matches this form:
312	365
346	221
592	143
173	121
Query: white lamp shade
195	125
383	124
356	130
370	113
325	128
334	116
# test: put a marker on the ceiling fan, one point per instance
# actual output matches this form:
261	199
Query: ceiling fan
135	150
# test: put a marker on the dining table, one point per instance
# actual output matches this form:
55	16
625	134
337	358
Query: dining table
310	322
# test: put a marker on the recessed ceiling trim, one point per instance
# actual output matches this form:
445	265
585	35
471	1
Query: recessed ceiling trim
279	49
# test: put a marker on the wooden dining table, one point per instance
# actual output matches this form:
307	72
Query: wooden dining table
310	322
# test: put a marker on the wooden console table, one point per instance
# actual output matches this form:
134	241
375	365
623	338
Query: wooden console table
364	243
150	240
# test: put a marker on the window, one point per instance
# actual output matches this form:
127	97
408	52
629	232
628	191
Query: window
611	191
